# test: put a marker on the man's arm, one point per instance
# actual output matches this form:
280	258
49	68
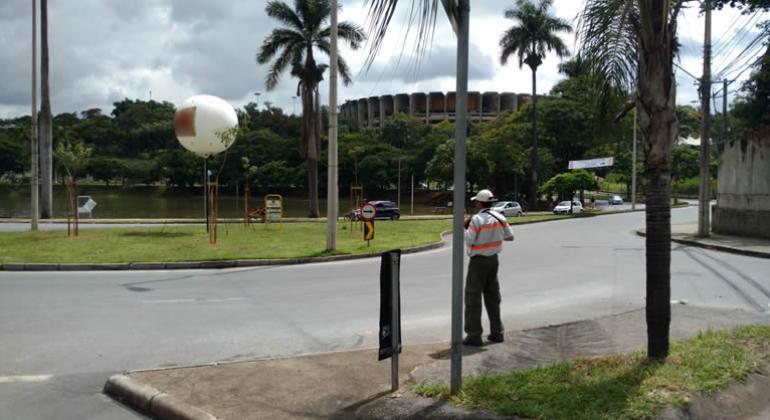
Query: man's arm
471	230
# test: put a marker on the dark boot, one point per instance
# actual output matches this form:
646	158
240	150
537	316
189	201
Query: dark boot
496	338
473	341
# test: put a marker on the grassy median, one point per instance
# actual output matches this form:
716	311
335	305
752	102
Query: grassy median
617	387
190	243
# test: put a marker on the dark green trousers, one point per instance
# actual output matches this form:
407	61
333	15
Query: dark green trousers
482	280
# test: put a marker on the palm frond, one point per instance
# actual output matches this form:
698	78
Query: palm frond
422	16
608	35
347	31
342	66
291	54
279	38
281	11
534	34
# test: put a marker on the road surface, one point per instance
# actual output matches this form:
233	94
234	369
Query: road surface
62	334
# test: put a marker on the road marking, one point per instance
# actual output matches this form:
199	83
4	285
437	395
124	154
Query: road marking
202	300
24	378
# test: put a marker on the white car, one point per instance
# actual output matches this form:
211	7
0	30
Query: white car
615	199
508	209
565	208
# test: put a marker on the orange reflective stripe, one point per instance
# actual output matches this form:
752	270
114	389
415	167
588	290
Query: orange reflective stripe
486	246
494	226
486	227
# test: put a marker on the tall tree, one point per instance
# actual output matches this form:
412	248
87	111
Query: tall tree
531	38
633	43
304	32
46	120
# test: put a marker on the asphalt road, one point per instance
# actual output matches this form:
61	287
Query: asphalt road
62	334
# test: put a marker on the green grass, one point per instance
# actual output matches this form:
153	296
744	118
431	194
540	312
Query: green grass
617	387
190	243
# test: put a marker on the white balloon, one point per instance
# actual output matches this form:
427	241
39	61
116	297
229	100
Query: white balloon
205	125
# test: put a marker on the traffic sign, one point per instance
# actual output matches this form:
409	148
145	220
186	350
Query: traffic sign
368	212
369	230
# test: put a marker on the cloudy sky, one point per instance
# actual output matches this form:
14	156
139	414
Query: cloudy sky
105	50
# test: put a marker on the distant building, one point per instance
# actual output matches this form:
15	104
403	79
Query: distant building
433	107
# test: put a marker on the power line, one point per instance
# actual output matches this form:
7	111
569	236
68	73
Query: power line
697	79
748	67
736	40
753	44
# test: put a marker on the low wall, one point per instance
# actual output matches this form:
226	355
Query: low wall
743	199
741	222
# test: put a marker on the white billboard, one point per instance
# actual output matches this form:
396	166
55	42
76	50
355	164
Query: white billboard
591	163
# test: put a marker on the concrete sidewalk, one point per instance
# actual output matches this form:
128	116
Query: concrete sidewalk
686	234
353	384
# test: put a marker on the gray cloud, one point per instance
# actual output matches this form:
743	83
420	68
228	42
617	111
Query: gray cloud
440	61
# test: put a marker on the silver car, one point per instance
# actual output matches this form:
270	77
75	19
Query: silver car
615	199
508	209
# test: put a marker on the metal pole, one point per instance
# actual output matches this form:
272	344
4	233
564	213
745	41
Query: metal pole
411	206
394	320
633	168
34	180
459	195
206	192
705	178
332	195
398	199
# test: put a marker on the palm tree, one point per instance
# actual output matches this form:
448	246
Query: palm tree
533	36
304	32
633	44
46	120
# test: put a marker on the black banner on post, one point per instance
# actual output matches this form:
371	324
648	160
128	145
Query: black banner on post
389	273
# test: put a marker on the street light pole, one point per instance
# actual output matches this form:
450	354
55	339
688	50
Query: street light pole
458	210
34	181
332	196
633	168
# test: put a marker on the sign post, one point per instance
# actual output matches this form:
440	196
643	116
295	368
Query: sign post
274	209
367	213
390	312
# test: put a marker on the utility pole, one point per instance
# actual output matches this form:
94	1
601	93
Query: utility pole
331	182
704	199
34	181
458	208
724	114
633	168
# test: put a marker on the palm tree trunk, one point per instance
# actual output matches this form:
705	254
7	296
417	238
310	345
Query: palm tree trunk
312	156
534	160
46	120
658	124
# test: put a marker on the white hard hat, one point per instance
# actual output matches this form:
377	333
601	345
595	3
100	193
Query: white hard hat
485	196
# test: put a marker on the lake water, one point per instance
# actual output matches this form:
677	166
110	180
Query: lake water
157	202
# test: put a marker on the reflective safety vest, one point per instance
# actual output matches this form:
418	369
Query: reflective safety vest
486	233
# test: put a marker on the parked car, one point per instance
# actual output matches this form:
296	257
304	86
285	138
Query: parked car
383	210
615	199
565	208
508	209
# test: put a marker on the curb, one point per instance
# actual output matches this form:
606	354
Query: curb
715	247
194	265
149	400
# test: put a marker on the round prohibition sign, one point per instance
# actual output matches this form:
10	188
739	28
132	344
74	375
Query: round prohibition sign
368	212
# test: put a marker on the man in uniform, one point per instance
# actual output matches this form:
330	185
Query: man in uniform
484	236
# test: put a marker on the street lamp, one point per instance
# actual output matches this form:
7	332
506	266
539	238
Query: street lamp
257	98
